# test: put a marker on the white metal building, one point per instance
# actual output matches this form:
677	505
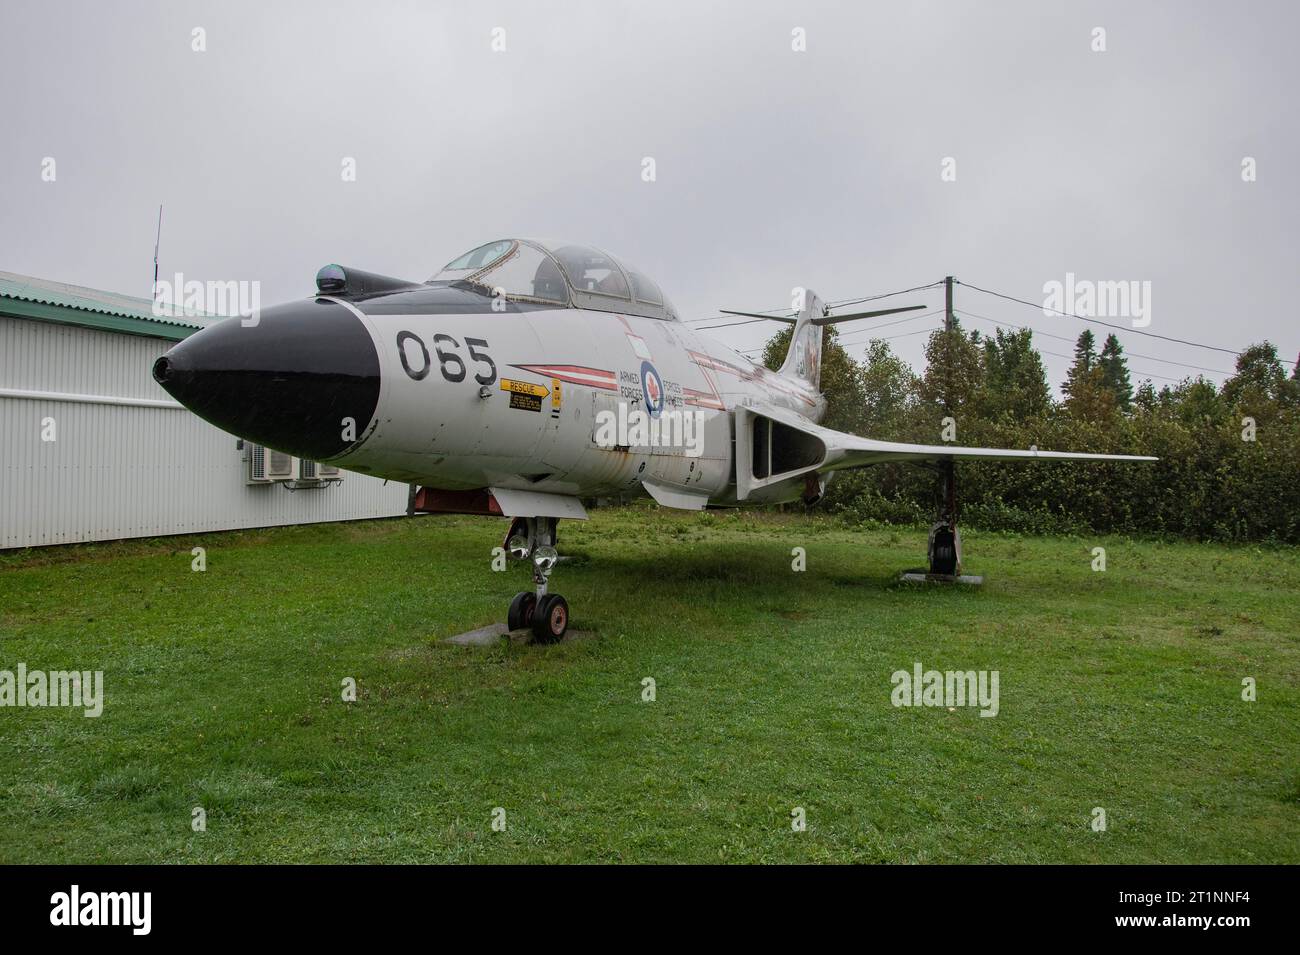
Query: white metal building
92	449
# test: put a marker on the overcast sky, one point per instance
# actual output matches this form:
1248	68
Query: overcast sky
774	168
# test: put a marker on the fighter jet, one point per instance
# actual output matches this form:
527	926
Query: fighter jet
528	376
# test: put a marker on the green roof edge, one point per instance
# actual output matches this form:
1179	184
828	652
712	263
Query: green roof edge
69	315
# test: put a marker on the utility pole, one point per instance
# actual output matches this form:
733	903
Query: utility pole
949	325
947	469
948	344
947	303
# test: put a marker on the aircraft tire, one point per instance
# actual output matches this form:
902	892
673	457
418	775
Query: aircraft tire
522	607
551	619
944	560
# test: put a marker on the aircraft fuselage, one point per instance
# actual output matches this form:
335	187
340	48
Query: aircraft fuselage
445	387
514	400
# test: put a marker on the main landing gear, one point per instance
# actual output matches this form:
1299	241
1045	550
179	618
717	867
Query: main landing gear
943	550
546	614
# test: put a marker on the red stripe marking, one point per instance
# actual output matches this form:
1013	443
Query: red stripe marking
575	375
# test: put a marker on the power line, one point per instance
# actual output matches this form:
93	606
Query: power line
866	331
871	298
1136	371
839	303
886	338
890	338
861	331
1097	321
1020	301
1066	338
934	328
714	318
711	318
747	321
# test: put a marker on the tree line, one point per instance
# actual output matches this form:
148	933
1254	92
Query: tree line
1229	465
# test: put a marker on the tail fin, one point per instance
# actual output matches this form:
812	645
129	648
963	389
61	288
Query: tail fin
804	359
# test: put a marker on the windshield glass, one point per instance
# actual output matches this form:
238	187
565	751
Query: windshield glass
476	259
510	268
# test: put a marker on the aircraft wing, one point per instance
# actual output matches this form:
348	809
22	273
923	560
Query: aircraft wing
849	450
782	445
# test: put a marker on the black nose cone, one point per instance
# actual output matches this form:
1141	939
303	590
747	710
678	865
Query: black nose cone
303	379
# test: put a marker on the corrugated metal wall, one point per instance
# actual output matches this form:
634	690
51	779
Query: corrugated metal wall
119	470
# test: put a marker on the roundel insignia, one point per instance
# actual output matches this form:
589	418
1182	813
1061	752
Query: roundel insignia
652	387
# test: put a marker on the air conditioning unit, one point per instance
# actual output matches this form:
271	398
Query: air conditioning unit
266	465
308	471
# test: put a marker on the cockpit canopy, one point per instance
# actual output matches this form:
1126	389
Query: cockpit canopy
563	274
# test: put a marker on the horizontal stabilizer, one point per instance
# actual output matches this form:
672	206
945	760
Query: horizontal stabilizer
836	319
803	358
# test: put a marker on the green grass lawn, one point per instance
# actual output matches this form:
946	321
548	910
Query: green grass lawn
1119	690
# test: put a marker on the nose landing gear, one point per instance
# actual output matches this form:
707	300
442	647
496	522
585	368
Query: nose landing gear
546	614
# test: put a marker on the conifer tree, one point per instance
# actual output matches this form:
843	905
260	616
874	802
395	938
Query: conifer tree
1114	372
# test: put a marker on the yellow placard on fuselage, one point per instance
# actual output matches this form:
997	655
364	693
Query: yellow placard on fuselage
524	388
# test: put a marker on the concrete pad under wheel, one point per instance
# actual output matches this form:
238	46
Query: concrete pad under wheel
482	637
923	578
493	632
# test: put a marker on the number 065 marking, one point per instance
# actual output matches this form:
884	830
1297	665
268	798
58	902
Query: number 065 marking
450	363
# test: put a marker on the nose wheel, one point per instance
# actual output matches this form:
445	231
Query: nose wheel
551	619
521	612
546	614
